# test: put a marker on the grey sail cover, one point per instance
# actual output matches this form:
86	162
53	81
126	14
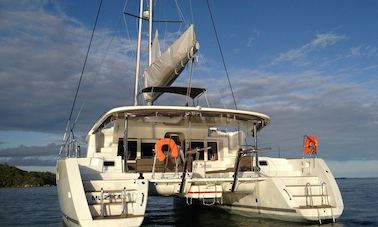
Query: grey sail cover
155	50
166	68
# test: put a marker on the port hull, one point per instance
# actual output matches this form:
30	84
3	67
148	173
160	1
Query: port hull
79	200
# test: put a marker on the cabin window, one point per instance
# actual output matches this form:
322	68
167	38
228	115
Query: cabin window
132	149
212	153
195	145
176	136
147	150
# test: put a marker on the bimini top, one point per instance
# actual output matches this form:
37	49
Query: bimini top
173	114
193	91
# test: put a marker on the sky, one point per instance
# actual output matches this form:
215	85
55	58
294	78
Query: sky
310	65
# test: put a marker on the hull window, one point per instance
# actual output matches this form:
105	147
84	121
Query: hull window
108	163
263	163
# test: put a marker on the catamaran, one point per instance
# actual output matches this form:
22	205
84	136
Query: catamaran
202	154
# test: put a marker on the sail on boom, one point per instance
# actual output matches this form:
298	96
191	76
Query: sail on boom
165	69
155	49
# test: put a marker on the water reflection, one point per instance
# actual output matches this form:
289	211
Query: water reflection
167	211
39	207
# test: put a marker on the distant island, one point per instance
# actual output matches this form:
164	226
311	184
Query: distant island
11	176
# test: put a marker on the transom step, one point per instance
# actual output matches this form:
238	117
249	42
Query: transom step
109	209
110	198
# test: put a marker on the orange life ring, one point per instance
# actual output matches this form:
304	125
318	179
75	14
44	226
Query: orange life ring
172	148
310	145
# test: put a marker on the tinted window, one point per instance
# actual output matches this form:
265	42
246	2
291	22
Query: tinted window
132	149
212	154
147	150
195	145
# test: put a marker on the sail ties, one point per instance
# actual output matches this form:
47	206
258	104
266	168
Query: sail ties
190	55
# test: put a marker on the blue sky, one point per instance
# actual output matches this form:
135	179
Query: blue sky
310	65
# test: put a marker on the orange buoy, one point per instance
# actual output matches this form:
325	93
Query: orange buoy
172	148
310	144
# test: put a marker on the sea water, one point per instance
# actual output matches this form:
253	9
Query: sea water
39	207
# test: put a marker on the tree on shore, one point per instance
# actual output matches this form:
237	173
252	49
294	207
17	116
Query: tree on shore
11	176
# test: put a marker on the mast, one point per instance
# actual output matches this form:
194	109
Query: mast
149	37
138	54
150	34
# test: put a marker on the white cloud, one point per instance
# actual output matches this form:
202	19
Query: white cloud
40	62
321	41
42	54
363	50
41	58
30	155
30	151
371	67
252	37
340	112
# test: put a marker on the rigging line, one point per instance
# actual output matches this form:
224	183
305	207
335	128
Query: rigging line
188	91
133	51
156	21
77	117
127	27
100	65
84	65
191	12
128	36
221	53
133	54
110	44
207	101
180	14
73	126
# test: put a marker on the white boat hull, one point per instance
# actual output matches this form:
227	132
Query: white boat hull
298	190
122	202
309	196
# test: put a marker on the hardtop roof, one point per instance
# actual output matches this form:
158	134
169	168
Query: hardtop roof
144	111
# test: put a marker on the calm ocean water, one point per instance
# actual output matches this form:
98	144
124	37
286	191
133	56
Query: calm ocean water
39	207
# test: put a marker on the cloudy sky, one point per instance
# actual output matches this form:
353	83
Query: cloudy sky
310	65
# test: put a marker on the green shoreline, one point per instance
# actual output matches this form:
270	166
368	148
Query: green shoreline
11	176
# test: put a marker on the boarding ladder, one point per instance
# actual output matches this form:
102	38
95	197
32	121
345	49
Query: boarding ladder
310	194
324	200
209	193
109	202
